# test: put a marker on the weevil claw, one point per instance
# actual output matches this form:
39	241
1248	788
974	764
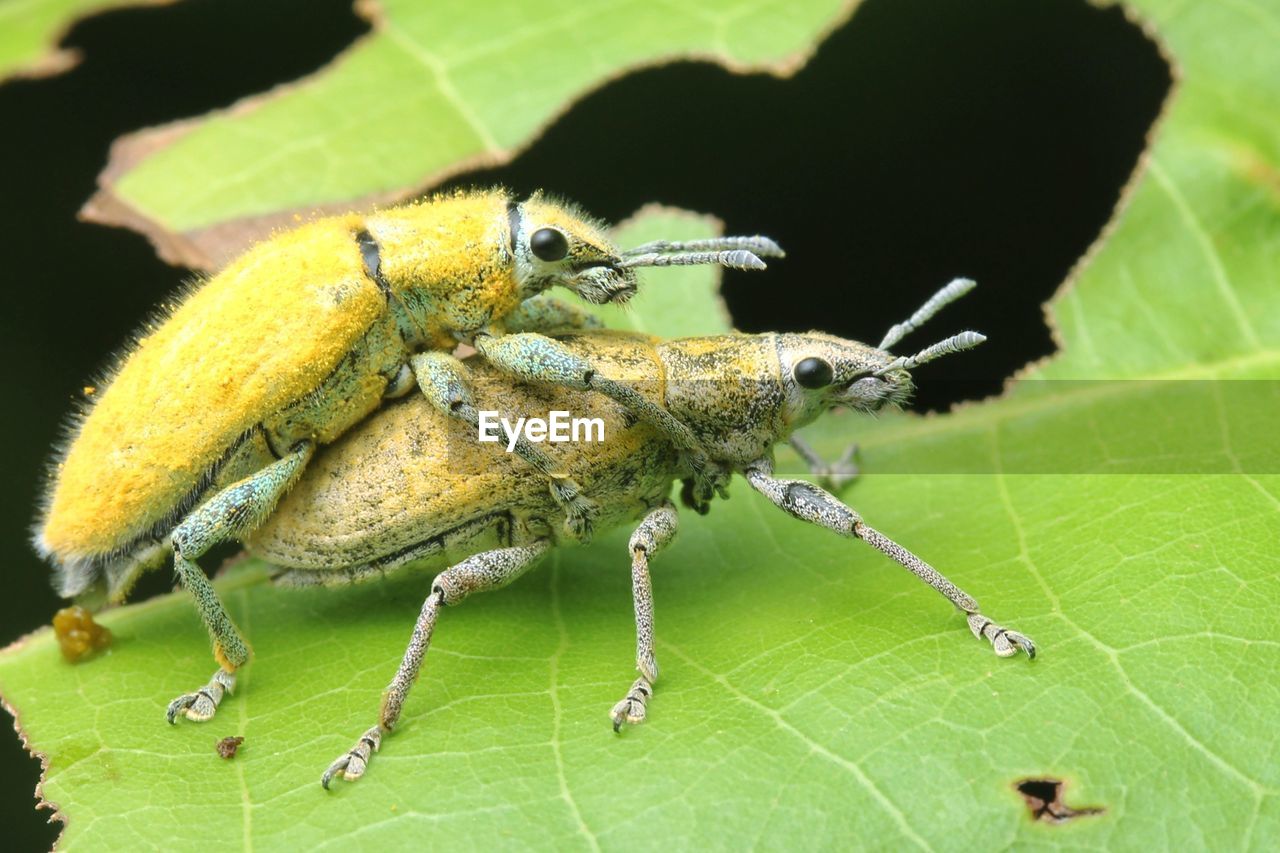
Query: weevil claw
202	704
353	763
631	710
1004	641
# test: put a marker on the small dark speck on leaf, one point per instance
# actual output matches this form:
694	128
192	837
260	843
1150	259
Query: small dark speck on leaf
1044	801
228	745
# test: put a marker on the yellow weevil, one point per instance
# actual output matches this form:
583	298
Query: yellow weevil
217	406
411	485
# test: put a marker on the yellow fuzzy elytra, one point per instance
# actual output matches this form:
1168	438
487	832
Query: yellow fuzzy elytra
252	339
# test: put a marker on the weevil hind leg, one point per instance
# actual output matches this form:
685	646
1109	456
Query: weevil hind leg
227	514
655	531
479	573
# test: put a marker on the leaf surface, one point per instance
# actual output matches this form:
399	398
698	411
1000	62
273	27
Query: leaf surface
1119	504
435	89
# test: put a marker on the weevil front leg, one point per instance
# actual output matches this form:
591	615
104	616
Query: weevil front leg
833	475
444	381
230	513
480	573
810	503
538	358
655	531
545	313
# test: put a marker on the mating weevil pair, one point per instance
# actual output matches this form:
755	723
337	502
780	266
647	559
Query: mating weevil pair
411	485
193	443
216	409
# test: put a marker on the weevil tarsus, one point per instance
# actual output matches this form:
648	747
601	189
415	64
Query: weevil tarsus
811	503
479	573
227	514
655	531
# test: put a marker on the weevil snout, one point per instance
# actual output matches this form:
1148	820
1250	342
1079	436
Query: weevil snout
603	282
873	392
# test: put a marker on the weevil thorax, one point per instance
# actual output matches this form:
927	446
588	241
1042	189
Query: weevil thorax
447	262
555	244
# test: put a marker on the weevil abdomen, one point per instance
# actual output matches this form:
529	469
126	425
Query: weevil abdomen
201	388
438	493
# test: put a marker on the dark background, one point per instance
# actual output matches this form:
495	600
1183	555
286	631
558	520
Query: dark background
926	140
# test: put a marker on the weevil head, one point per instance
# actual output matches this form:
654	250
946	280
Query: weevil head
820	372
555	243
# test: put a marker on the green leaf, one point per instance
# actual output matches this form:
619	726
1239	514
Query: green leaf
435	89
1119	505
30	30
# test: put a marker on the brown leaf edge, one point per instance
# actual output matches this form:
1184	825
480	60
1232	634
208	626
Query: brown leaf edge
211	247
41	801
58	59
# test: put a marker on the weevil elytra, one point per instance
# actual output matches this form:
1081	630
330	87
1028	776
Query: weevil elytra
410	485
218	405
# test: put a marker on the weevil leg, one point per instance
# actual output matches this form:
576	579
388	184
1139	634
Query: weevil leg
538	358
652	535
230	513
444	382
546	313
808	502
479	573
832	475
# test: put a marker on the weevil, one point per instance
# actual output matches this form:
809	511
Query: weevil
221	401
410	485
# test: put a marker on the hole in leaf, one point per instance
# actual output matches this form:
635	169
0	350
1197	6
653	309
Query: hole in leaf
1044	801
923	141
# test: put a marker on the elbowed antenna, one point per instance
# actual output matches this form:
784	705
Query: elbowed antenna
740	253
738	259
944	297
955	343
757	245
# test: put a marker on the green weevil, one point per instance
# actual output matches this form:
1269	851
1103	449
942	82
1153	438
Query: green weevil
219	403
412	486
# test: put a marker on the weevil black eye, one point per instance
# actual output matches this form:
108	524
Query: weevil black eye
548	244
813	373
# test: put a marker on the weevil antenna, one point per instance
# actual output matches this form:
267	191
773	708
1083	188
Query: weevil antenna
944	297
738	259
955	343
760	246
